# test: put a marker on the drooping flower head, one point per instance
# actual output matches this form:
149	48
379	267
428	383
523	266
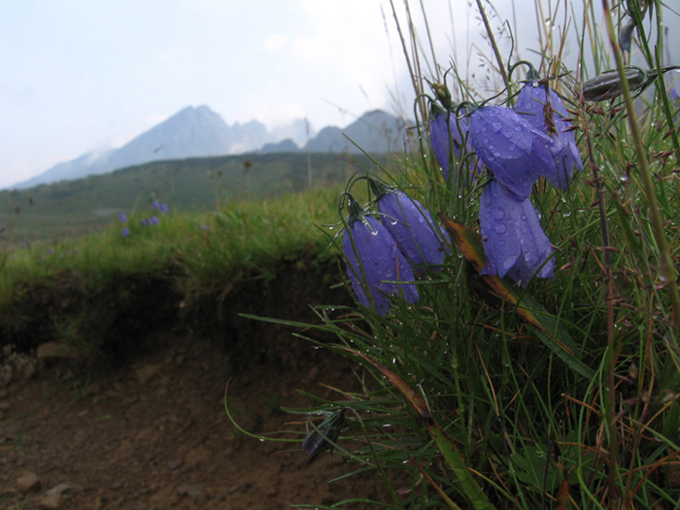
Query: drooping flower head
511	148
447	131
544	110
375	265
514	242
411	225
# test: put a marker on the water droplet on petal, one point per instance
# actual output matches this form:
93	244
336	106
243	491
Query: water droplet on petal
498	213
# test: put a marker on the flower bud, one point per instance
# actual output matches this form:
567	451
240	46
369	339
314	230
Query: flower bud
411	225
608	84
375	265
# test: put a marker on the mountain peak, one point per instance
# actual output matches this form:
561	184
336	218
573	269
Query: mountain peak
198	131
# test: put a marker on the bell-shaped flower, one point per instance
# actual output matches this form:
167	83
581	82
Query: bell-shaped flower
514	151
375	265
514	242
447	132
547	114
411	225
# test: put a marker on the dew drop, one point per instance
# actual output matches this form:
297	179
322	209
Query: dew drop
498	213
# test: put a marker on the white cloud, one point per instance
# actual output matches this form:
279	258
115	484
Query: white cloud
275	43
268	109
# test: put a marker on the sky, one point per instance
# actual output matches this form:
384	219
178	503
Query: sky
85	75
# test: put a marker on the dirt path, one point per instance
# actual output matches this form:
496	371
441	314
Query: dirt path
153	433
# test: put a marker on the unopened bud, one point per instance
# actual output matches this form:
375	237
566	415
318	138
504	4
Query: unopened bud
608	84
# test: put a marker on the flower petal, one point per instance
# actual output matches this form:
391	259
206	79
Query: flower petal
504	141
552	120
514	242
413	228
447	132
382	263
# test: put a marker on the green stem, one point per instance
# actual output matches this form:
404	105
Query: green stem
665	266
494	46
661	83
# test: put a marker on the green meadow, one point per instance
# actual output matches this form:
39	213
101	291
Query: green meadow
68	209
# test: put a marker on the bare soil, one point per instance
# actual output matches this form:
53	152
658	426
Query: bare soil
144	427
153	434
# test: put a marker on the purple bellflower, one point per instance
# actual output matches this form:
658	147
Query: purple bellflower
374	263
514	151
447	132
547	114
514	242
411	226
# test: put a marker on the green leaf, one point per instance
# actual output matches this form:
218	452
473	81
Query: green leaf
454	459
546	327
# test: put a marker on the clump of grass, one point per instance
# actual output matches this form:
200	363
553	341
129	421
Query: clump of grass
188	253
563	394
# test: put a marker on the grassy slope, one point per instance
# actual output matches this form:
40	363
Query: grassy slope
99	289
69	208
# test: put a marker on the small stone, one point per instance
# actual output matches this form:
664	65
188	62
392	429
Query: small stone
145	373
51	501
55	351
27	482
59	489
174	464
189	490
313	373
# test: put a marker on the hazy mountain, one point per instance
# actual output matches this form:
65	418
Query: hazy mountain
375	132
200	132
191	132
300	131
287	145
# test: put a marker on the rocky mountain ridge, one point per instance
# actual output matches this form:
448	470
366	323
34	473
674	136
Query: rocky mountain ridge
201	132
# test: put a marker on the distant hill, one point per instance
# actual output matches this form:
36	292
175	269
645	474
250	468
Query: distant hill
376	132
191	132
66	208
200	132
